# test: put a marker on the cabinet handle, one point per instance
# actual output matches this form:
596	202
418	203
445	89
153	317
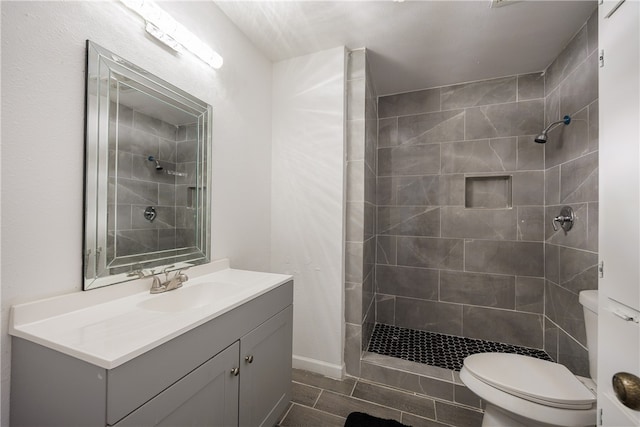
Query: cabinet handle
235	372
248	359
627	389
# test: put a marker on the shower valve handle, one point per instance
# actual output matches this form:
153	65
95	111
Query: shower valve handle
565	219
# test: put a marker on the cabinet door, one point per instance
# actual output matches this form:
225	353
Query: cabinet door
208	396
265	373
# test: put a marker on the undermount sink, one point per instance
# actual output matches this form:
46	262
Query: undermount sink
188	297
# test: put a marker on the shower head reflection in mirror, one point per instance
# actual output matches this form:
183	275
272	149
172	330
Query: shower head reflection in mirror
148	143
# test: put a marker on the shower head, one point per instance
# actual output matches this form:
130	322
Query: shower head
158	165
542	138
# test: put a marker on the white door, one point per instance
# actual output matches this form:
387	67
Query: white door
619	236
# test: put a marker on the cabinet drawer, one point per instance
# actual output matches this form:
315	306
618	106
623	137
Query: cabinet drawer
208	396
139	380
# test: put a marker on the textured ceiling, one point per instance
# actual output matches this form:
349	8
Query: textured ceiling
417	44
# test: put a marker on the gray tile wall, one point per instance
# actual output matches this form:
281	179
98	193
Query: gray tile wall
135	184
362	135
571	178
497	274
441	266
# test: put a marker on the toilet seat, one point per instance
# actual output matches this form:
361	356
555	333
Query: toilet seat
535	380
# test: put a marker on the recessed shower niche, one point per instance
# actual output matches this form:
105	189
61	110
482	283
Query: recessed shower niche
147	173
488	192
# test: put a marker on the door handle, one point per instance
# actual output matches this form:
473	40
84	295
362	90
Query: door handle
626	387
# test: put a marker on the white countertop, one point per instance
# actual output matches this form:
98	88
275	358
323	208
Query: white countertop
111	327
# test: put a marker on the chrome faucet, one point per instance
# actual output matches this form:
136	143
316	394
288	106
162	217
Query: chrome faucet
157	286
176	282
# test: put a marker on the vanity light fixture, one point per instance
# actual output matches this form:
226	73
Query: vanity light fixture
170	32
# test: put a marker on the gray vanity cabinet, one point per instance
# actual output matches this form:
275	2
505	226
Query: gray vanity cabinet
247	384
208	396
234	370
265	382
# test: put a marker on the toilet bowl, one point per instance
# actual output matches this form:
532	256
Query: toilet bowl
522	391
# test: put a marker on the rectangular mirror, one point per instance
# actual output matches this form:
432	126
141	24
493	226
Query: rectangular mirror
147	173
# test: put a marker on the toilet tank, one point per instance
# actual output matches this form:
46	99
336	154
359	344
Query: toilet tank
589	301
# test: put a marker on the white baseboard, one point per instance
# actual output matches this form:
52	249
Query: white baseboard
319	367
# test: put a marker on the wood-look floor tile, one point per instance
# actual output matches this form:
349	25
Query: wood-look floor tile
304	416
397	399
344	386
414	421
343	405
304	394
458	416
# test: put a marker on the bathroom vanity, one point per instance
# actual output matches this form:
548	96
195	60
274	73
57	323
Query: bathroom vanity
216	352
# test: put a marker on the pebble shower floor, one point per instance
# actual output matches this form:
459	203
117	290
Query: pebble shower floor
444	351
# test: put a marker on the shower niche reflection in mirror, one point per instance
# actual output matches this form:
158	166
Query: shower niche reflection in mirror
147	205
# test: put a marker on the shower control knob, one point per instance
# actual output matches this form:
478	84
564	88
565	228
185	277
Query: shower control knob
565	219
626	387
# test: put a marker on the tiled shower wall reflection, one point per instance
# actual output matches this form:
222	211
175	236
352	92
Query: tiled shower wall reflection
140	184
362	128
571	161
442	267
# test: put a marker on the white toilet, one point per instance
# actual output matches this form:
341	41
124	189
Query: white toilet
521	391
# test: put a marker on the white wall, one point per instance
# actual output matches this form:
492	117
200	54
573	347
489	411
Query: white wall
307	212
43	65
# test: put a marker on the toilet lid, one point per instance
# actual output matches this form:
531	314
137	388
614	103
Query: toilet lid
536	380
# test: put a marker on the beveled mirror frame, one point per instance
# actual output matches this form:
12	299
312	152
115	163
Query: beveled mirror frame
107	74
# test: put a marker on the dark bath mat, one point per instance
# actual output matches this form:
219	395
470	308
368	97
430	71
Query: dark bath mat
359	419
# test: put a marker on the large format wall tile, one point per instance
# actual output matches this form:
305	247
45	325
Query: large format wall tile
517	258
564	309
446	254
572	354
528	188
503	326
530	294
579	179
530	223
568	142
409	190
577	269
512	119
530	154
486	290
489	263
418	190
429	315
567	61
407	281
422	101
495	224
488	155
581	88
409	221
431	127
386	250
409	160
495	91
388	132
530	86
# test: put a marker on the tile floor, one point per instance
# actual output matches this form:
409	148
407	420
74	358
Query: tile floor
320	401
434	349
